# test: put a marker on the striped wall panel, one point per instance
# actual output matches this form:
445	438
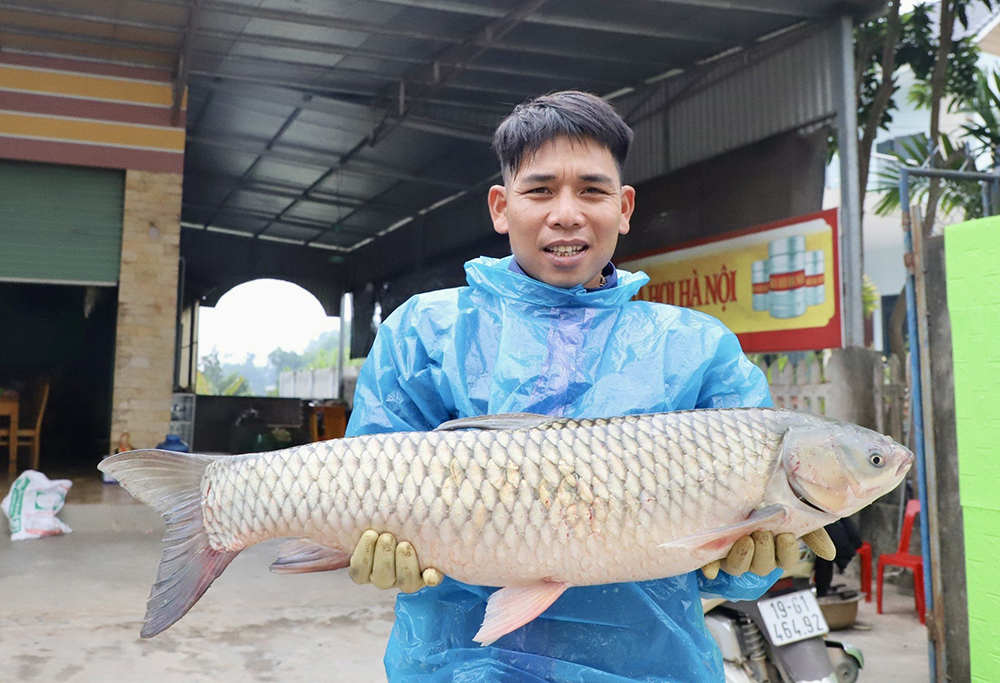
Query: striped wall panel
80	113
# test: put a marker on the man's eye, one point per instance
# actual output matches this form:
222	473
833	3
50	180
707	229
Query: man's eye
595	190
538	190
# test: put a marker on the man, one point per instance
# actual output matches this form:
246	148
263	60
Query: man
554	330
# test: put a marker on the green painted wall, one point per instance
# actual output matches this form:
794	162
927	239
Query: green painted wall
972	262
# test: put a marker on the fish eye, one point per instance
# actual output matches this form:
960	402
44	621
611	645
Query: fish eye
876	459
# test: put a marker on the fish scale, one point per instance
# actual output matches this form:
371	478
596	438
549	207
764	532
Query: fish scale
527	502
546	477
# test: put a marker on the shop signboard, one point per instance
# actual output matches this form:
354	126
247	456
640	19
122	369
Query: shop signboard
777	286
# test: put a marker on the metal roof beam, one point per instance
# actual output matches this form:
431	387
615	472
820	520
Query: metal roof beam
506	71
352	201
482	184
184	63
318	159
329	48
289	120
603	25
309	19
560	20
319	198
437	126
442	128
172	3
320	226
337	94
328	103
347	92
309	46
273	189
463	54
790	8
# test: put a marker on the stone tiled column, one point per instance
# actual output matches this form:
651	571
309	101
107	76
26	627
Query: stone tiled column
147	308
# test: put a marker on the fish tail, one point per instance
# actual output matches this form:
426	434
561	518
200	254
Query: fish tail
170	483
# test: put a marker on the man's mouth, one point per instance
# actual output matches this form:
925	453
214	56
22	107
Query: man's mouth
567	250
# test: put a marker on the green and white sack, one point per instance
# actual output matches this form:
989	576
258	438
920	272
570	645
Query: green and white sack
32	504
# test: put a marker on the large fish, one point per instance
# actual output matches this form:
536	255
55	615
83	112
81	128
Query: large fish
527	502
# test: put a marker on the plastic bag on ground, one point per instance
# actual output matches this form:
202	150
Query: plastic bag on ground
32	504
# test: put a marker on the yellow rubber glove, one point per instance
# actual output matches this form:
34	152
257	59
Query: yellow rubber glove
379	560
761	552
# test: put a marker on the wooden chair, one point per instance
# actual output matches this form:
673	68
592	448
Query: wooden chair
333	416
30	426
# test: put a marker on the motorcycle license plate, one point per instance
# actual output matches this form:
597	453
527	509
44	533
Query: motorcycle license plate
792	617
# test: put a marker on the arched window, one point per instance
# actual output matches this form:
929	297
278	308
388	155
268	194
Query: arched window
259	329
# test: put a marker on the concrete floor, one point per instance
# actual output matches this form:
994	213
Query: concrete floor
72	607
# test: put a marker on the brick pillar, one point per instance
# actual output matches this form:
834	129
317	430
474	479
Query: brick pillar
147	308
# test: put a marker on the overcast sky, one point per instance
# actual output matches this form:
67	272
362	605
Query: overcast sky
260	316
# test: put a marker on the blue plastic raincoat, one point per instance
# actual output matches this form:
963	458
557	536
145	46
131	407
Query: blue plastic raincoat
509	343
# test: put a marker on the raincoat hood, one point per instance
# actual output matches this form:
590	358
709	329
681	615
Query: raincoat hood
495	277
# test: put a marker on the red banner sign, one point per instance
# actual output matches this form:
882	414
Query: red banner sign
777	286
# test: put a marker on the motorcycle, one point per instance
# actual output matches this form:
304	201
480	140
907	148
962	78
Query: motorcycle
781	638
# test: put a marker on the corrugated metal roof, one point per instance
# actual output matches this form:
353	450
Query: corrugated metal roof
799	91
330	122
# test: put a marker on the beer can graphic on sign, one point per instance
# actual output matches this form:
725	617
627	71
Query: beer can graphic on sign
761	286
787	277
815	280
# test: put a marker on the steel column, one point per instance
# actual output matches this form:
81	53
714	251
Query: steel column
922	414
851	256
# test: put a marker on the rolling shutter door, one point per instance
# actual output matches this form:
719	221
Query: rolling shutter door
60	224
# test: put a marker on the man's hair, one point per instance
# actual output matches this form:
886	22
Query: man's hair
571	113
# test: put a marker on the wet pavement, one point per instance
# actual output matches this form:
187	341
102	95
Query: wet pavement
73	607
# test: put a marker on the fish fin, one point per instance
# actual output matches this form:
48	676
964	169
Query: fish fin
170	483
718	539
302	556
514	606
501	421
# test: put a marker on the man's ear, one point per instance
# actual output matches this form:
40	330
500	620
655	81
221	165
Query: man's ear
497	201
628	206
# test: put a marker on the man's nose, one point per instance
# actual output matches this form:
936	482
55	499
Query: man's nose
566	211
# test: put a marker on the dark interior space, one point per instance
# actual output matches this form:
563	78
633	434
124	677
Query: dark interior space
771	179
66	333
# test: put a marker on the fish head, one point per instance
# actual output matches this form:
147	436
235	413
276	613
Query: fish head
839	467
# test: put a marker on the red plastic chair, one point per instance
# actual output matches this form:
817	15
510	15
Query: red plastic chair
904	558
865	553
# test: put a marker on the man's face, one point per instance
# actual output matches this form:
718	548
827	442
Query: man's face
564	211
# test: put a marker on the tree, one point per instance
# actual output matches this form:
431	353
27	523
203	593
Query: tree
949	9
214	379
876	81
211	369
964	195
893	41
979	146
985	103
285	360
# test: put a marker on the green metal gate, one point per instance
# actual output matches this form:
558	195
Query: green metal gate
60	224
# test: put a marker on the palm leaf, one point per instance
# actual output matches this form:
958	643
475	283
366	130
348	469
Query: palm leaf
964	195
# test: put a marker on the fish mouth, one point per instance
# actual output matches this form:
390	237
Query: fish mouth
905	465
